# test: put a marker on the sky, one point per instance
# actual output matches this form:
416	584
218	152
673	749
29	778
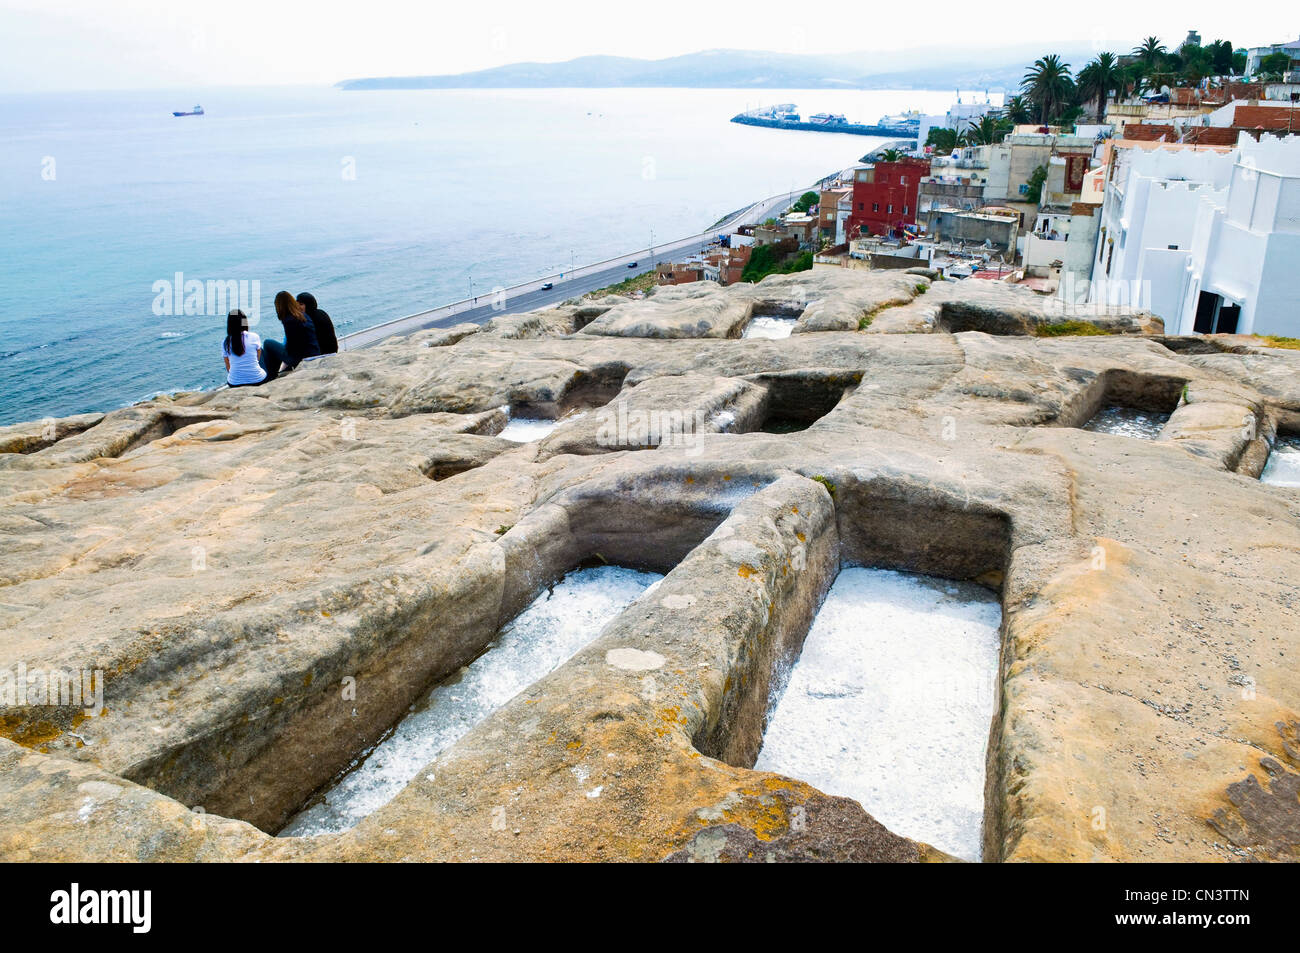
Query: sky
175	44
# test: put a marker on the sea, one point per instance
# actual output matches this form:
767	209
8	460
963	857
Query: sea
381	203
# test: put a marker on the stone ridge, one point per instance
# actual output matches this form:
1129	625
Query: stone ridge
269	577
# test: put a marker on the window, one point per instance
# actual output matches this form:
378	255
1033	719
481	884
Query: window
890	210
1215	315
1206	305
902	180
904	209
875	206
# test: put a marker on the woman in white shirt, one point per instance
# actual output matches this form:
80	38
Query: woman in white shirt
242	350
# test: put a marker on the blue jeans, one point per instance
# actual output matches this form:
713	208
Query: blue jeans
273	355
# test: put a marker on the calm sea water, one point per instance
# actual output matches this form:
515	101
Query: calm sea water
380	203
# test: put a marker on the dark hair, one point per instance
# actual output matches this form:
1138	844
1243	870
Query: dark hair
236	325
286	308
308	302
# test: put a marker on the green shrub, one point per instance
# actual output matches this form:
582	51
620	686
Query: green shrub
1037	178
767	260
826	482
806	201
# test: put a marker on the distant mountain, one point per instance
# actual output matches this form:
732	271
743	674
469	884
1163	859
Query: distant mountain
995	69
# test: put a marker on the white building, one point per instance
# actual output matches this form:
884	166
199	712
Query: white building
959	117
833	211
1208	239
995	163
1246	113
1062	243
1256	55
955	181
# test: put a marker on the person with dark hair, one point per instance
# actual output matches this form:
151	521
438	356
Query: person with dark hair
299	337
242	350
329	342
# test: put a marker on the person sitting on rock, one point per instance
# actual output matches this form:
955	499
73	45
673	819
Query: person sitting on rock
242	350
329	342
299	337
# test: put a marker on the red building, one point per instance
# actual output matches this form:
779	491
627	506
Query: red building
884	196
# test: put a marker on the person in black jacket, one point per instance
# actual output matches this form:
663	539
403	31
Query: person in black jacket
299	337
329	342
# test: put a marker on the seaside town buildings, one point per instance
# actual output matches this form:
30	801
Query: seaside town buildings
801	226
1214	106
885	196
959	117
1220	125
725	265
834	209
1185	202
991	227
956	181
1255	56
1207	238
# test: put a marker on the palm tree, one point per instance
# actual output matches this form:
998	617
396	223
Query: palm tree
1090	87
1018	111
1048	85
1151	53
890	155
1131	81
943	139
988	131
1151	58
1098	79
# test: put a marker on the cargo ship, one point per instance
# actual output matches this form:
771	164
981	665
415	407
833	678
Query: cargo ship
196	111
786	116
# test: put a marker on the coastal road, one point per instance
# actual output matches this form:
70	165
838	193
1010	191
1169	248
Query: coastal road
531	296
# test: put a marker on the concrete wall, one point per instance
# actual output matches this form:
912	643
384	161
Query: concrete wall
1080	244
1161	286
1277	310
1236	232
949	225
1042	252
997	162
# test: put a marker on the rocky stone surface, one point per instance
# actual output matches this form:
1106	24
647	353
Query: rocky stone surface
269	577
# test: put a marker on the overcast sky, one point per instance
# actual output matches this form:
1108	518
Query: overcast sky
89	44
